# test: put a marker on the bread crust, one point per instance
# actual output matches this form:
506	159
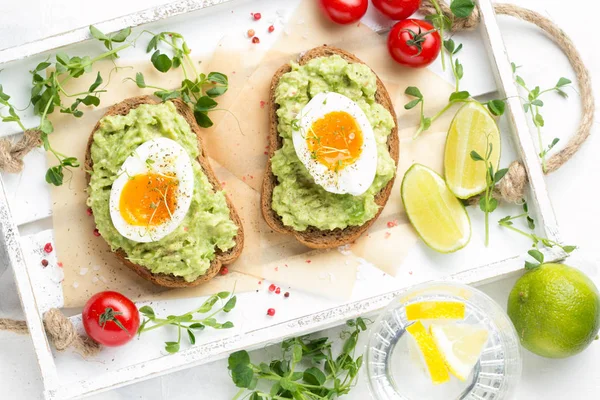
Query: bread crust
221	258
313	237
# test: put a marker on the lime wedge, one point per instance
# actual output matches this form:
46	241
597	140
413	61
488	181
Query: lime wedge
438	217
472	128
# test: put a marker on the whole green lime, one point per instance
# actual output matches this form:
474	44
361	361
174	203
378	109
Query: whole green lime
556	310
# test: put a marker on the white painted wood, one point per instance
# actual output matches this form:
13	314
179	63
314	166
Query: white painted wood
33	314
523	138
114	25
254	339
312	320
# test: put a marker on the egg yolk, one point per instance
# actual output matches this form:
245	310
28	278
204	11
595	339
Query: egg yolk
148	199
335	140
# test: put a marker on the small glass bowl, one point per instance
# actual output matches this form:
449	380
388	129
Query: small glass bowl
396	373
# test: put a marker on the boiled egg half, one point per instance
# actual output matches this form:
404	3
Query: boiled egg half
153	191
334	140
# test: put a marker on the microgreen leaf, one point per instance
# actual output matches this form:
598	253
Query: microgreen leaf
147	312
530	265
205	103
500	174
462	8
537	255
161	62
314	376
217	77
449	45
153	43
413	91
230	304
459	95
139	80
70	162
191	336
46	127
569	249
296	353
120	36
458	69
242	375
96	83
55	175
537	102
475	156
42	66
97	34
539	120
202	119
563	82
496	107
237	358
411	104
172	347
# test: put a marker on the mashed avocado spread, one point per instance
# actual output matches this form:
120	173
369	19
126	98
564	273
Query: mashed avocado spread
298	200
187	251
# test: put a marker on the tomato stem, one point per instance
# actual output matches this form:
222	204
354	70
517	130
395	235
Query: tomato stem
111	315
417	38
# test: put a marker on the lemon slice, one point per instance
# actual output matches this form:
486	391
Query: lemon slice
435	310
430	353
472	128
438	217
460	345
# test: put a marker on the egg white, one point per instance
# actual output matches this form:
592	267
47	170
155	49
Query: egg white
355	178
167	158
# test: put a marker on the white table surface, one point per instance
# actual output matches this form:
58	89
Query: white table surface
573	190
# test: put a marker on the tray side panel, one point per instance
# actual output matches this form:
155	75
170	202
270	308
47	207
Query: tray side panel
33	316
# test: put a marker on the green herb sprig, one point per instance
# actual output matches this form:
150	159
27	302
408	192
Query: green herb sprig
459	9
12	113
48	79
327	377
199	90
186	322
487	202
532	104
535	253
496	107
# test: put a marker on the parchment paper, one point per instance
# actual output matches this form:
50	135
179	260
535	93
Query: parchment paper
238	157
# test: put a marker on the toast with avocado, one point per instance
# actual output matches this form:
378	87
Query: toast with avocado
175	253
296	197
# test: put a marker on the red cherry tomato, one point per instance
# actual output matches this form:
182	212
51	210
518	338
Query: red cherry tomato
414	43
110	318
397	9
344	11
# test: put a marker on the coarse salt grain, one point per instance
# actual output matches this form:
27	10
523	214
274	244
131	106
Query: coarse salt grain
83	271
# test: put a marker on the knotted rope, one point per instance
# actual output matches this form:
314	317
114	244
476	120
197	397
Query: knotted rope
512	187
12	153
60	331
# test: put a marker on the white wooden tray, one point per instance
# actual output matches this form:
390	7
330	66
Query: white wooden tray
26	225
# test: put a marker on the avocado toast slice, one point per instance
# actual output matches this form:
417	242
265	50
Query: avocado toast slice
221	257
312	236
